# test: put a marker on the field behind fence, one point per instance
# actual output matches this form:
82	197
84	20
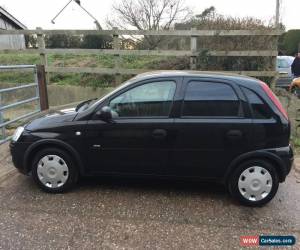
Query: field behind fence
249	52
193	48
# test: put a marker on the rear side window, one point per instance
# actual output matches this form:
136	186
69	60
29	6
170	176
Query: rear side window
211	100
281	63
260	109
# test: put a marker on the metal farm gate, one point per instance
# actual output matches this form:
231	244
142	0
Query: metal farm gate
35	99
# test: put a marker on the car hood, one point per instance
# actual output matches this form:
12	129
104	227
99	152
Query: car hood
54	118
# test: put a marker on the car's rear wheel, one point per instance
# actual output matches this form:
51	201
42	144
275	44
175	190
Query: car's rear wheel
54	170
254	183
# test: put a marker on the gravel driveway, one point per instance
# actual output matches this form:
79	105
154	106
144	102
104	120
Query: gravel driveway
130	214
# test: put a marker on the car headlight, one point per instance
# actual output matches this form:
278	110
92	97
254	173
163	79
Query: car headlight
17	134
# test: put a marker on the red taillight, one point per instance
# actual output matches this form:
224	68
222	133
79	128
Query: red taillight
274	99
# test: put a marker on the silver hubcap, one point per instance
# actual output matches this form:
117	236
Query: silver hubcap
52	171
255	183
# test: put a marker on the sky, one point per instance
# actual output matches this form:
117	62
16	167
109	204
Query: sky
38	13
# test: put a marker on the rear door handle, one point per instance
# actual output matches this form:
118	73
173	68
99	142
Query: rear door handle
159	134
234	134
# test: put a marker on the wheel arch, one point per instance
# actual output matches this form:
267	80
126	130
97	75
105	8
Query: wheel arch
45	143
262	155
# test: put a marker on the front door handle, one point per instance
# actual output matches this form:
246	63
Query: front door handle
159	134
234	134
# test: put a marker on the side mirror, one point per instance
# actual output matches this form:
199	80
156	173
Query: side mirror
105	114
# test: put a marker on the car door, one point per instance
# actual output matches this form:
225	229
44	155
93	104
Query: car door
213	128
140	136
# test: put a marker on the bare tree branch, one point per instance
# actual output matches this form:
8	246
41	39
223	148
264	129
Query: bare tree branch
149	15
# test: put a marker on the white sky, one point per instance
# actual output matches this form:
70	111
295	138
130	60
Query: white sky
38	13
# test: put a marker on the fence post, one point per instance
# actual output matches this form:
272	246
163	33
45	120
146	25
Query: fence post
117	58
42	46
274	66
43	93
193	58
2	120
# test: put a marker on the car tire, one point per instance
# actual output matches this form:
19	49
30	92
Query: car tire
54	170
254	182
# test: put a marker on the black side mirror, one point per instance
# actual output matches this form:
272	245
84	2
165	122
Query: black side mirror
105	114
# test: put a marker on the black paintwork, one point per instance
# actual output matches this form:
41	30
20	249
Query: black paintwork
175	146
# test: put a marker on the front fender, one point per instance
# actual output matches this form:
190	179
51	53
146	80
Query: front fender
29	154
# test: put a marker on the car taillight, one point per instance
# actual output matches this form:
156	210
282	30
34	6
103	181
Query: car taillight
274	99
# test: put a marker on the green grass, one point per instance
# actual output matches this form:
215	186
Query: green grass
58	60
295	141
9	59
16	77
93	80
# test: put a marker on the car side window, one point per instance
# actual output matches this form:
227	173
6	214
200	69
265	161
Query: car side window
210	99
147	100
283	63
260	109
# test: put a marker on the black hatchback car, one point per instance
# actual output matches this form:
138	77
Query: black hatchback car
175	124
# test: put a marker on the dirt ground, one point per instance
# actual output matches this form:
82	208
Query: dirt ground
130	214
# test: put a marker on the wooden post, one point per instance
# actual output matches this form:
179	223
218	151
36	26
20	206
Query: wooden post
193	59
274	66
42	46
43	93
117	58
3	135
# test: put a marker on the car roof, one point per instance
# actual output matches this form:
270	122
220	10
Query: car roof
190	73
287	58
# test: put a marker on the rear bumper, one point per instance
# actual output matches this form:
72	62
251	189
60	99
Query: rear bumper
286	155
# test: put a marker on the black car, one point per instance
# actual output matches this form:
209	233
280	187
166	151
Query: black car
175	124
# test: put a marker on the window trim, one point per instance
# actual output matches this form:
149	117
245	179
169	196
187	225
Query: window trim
138	84
241	108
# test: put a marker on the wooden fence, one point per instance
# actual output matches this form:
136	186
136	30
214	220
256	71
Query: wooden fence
118	53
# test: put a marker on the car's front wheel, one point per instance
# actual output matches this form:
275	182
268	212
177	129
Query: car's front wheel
254	183
54	170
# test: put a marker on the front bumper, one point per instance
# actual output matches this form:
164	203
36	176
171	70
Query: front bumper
17	150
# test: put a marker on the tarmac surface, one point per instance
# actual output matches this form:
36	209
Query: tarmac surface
130	214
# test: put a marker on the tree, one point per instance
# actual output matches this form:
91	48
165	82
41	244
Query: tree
210	19
57	41
149	15
96	42
289	42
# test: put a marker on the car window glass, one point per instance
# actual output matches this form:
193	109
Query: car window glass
260	109
210	99
282	63
279	63
151	99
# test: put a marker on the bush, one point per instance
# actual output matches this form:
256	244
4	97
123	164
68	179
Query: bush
290	42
